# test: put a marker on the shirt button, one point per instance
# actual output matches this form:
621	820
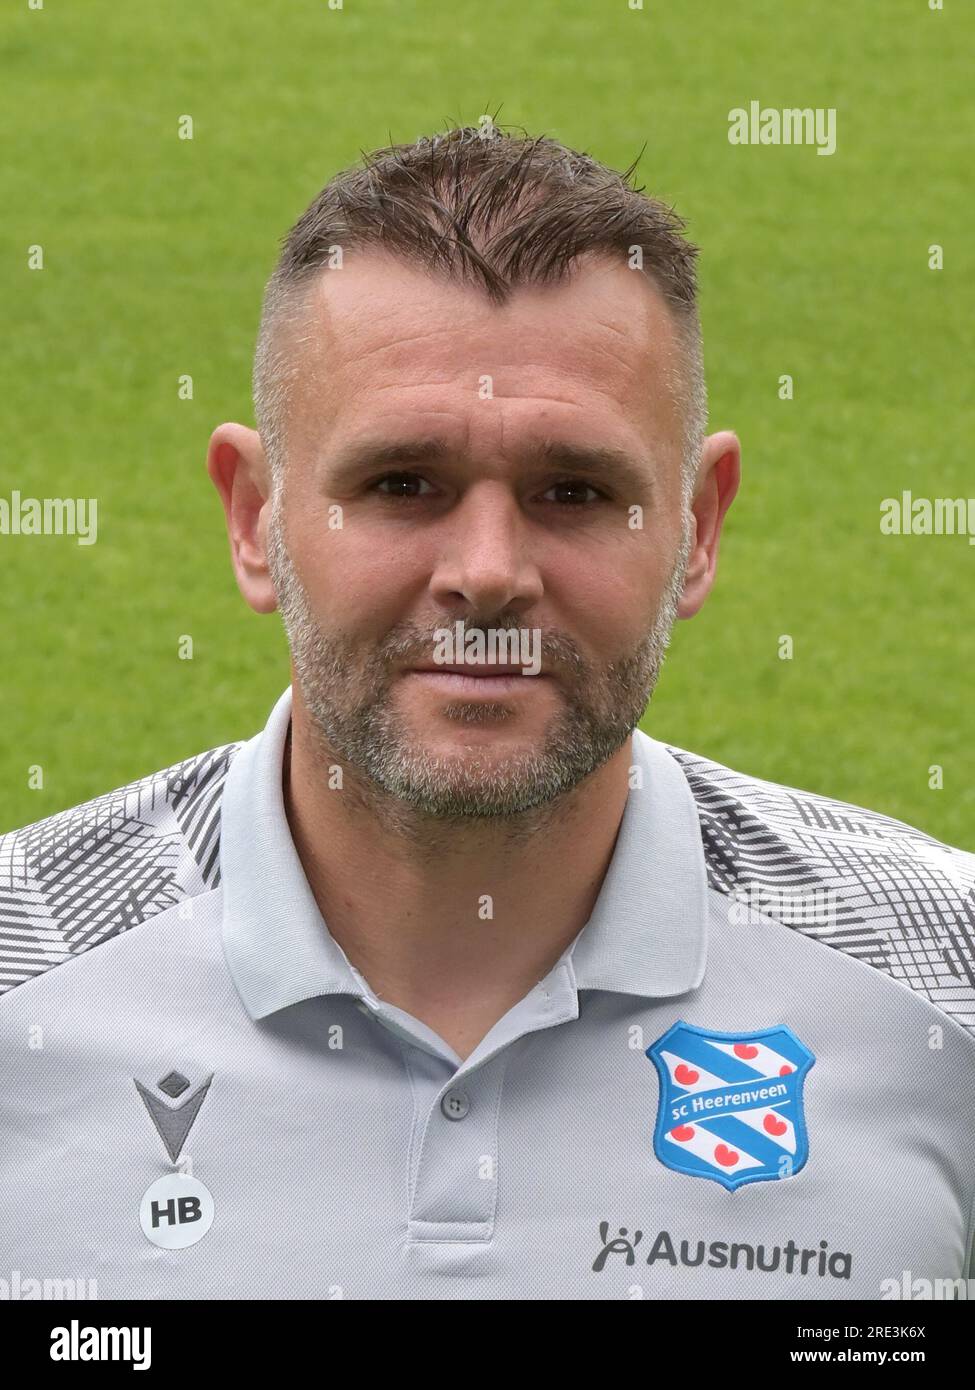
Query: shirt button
455	1105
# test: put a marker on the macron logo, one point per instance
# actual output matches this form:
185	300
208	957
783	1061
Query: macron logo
173	1122
76	1343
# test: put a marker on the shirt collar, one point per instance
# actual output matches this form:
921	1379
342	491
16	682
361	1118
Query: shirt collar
646	935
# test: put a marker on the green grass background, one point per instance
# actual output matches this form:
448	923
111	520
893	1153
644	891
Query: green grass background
157	250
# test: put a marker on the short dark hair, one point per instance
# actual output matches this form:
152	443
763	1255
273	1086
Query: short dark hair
497	209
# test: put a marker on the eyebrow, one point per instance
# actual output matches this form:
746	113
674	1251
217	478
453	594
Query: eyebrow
609	464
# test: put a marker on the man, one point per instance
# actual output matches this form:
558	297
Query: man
452	983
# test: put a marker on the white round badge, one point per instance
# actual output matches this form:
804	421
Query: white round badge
176	1211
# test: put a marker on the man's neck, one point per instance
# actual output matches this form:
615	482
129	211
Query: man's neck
453	926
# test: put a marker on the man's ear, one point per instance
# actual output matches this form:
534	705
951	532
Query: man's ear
718	476
240	473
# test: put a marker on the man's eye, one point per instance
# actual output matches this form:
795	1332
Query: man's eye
399	482
578	487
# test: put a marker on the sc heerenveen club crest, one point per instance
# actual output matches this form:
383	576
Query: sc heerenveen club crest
731	1104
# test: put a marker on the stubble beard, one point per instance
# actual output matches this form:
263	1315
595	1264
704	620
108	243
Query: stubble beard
350	699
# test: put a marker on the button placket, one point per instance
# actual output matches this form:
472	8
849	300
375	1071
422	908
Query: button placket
456	1181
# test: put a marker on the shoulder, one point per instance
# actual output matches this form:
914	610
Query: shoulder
859	881
82	876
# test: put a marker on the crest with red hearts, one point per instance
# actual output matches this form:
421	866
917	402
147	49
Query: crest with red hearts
731	1104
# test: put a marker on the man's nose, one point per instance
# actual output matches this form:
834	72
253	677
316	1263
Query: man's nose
485	561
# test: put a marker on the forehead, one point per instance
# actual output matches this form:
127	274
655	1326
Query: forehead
380	334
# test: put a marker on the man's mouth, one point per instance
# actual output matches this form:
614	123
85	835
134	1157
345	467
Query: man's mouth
477	678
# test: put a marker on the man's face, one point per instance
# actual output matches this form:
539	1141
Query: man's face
429	423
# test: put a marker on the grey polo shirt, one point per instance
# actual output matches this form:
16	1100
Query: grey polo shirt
751	1075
